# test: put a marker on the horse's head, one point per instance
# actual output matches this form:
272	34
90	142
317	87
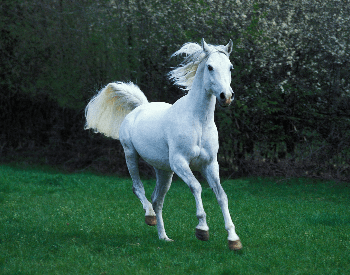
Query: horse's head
217	72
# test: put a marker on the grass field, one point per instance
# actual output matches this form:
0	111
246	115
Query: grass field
55	223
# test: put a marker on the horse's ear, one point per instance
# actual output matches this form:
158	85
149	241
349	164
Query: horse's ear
229	47
205	46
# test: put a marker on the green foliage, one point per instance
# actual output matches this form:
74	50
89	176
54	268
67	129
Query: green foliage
291	61
56	223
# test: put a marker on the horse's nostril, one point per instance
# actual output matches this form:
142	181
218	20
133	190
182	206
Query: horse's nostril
222	96
232	95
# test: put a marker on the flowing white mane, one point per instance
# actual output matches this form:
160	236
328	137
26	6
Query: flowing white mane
184	74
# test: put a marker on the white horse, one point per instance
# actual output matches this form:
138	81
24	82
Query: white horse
172	138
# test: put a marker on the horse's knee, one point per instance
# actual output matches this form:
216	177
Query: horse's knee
135	190
195	187
222	199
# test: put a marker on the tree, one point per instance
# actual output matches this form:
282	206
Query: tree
291	62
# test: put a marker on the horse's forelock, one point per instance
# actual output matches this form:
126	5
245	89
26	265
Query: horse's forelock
188	49
184	74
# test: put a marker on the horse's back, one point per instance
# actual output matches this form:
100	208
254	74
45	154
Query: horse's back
144	129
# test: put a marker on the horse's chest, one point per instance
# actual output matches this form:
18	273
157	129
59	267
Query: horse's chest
205	148
202	155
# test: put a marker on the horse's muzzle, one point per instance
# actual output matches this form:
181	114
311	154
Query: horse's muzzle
225	100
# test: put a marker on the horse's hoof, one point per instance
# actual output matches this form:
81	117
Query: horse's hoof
235	245
151	220
168	240
202	235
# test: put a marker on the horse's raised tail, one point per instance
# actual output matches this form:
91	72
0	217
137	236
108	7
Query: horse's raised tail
107	110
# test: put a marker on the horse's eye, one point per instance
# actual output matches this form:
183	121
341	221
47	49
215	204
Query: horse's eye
210	68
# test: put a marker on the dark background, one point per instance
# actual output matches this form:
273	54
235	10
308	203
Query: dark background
291	79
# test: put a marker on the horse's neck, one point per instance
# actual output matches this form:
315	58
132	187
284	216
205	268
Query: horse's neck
199	102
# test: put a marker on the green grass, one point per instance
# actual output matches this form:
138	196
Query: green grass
55	223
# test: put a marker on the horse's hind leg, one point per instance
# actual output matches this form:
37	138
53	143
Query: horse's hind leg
164	179
132	158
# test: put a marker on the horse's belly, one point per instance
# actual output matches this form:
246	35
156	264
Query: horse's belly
153	152
148	136
157	161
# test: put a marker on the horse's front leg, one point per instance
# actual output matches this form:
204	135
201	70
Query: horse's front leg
181	167
211	173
